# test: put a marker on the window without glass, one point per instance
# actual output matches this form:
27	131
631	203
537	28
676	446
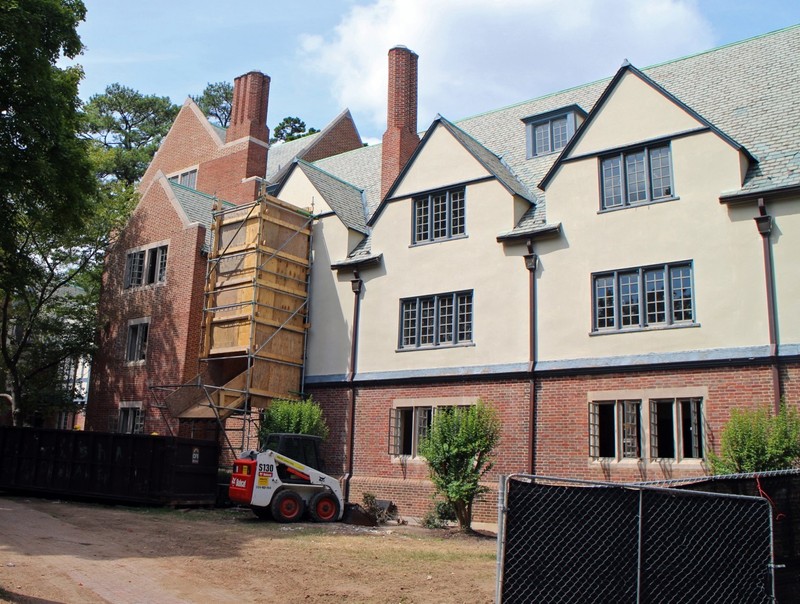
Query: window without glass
676	428
643	297
615	429
145	267
131	419
636	177
136	347
439	320
407	427
439	216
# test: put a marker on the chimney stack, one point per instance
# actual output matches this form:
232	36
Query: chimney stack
400	139
249	107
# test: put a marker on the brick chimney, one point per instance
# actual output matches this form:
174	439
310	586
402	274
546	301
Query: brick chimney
249	107
400	138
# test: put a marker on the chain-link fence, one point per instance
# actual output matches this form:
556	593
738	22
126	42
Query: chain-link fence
576	541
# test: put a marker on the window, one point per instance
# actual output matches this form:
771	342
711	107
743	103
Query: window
673	426
643	297
636	177
550	132
439	216
439	320
131	418
146	266
187	179
410	421
136	347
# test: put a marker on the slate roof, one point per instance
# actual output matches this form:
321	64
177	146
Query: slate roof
749	90
281	156
343	198
197	207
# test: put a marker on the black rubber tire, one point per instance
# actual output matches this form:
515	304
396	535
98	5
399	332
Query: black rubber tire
287	506
262	512
324	507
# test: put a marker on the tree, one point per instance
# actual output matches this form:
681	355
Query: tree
215	102
125	128
289	129
758	441
295	417
459	449
57	218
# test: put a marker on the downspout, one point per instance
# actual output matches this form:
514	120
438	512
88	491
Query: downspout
356	283
531	262
764	224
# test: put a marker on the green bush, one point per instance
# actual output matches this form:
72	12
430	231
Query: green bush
757	441
458	450
439	515
294	417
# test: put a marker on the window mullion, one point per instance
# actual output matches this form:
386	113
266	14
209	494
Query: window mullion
668	296
623	178
648	172
642	294
617	304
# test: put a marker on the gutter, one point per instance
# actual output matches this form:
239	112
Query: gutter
531	263
357	285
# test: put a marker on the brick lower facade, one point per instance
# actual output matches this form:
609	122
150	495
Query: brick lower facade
561	427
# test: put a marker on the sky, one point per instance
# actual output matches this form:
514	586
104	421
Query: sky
327	55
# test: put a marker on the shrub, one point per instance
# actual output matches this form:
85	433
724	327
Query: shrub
295	417
458	450
439	515
757	441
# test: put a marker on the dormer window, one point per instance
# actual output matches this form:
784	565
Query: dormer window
187	179
550	132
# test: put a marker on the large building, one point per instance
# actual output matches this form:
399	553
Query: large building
613	266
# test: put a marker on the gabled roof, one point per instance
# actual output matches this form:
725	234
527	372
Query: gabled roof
344	199
197	206
621	72
746	90
281	155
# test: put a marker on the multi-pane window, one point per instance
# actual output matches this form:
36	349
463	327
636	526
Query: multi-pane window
410	424
131	419
187	179
146	266
636	176
615	429
438	320
550	132
674	429
643	297
439	216
136	343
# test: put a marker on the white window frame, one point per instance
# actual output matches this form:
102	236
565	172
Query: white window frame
136	340
646	445
146	265
421	412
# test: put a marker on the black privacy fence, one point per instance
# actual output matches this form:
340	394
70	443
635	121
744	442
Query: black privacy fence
133	468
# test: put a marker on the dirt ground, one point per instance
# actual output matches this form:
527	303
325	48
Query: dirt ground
60	552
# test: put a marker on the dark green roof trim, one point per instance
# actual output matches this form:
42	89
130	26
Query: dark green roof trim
543	117
358	262
628	68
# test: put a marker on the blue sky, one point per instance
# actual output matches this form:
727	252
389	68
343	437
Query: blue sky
475	55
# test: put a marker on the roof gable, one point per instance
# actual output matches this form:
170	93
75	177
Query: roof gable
633	109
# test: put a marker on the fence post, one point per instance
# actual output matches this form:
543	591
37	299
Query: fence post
501	534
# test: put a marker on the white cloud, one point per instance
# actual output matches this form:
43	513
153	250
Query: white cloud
477	55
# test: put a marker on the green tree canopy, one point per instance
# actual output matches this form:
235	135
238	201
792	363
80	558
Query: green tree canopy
57	216
458	450
289	129
294	417
215	101
126	127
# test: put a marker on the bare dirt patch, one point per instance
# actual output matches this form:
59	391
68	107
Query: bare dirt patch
72	552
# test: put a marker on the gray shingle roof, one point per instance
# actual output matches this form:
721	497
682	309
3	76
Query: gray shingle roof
749	90
343	198
197	207
281	156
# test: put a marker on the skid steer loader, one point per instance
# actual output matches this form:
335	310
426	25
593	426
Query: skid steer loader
283	481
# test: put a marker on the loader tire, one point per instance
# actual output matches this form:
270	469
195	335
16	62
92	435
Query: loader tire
324	507
287	506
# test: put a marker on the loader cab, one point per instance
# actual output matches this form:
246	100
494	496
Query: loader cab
300	447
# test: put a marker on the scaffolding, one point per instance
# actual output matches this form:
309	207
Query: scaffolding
255	317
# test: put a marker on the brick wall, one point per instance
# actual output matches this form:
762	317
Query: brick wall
342	136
